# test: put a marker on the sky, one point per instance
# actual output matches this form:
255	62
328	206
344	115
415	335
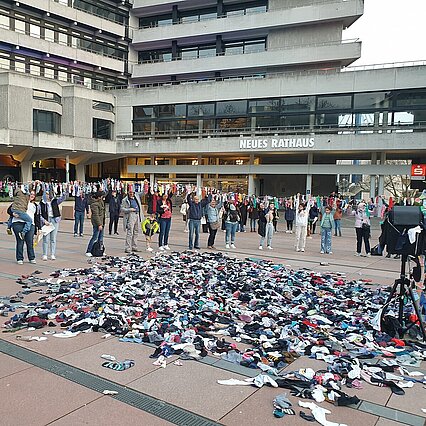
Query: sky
391	31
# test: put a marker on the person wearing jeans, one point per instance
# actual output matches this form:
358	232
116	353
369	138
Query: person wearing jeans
231	225
51	215
362	229
81	206
164	211
269	228
337	221
97	206
327	223
213	219
195	212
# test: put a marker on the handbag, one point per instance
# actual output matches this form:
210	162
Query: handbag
214	225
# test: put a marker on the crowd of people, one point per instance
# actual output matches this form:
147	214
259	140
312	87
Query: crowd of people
201	212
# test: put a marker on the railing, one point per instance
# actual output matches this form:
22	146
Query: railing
278	49
298	73
180	22
273	131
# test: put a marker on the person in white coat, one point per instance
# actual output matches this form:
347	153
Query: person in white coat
302	216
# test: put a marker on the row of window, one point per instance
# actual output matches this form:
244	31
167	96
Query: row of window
203	51
96	7
189	16
301	121
372	101
50	122
54	68
54	97
73	37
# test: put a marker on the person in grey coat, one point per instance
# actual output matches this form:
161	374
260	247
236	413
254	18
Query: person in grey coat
131	207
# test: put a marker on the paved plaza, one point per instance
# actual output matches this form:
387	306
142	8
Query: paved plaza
60	381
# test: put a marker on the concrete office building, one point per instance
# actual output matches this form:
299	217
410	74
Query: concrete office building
251	95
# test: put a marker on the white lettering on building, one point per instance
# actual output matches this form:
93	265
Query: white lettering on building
276	143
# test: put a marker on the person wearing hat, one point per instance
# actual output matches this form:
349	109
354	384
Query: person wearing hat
362	229
97	206
232	220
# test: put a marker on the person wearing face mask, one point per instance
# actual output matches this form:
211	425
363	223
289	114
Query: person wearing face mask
51	215
33	211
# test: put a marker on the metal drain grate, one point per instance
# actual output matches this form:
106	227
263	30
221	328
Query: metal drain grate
154	406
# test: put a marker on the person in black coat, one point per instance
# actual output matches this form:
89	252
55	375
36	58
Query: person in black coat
253	214
114	203
261	229
242	210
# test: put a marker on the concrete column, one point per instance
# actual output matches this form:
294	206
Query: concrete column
152	179
80	172
199	183
251	186
381	188
26	171
373	177
67	169
309	175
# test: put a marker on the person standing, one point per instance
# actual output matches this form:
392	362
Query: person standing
301	227
164	212
232	220
51	215
195	213
267	217
313	218
253	213
114	211
327	223
362	229
242	210
184	212
18	225
338	214
153	198
97	207
132	220
150	227
81	206
213	220
289	216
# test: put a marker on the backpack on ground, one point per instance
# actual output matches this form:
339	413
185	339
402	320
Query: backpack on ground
98	249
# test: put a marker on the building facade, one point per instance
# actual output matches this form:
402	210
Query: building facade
256	96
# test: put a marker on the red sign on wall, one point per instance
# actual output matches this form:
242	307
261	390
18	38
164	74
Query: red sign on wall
418	171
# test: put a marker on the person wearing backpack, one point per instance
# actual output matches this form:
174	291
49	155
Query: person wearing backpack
232	220
97	206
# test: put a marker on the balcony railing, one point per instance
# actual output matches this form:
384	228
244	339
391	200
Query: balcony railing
402	127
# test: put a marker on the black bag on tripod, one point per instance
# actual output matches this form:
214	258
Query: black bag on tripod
395	231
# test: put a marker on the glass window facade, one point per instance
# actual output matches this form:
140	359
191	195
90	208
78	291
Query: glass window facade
46	121
359	110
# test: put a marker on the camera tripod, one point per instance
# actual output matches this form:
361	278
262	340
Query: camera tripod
401	288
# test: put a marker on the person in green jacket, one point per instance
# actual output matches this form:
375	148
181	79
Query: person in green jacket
150	227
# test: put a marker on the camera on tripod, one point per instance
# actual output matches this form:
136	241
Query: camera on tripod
404	233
